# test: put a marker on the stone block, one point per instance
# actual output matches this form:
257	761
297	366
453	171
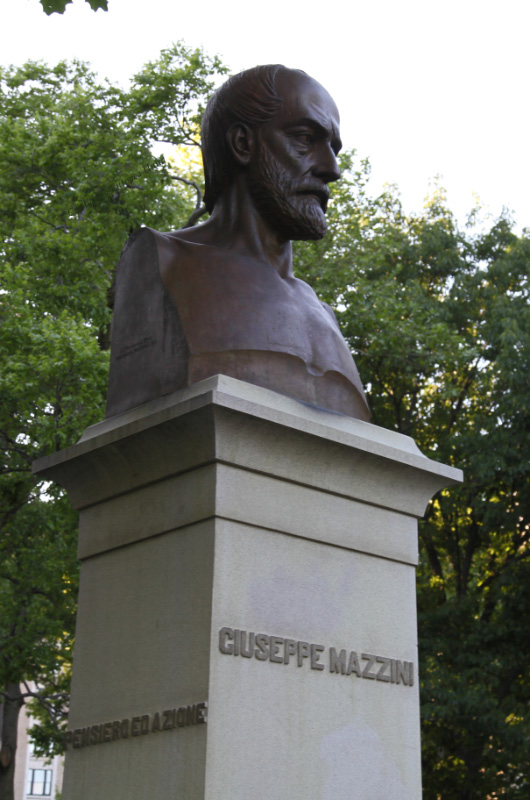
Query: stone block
247	614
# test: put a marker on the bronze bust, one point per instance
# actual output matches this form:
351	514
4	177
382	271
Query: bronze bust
221	297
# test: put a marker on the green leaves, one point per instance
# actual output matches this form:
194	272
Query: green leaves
54	6
77	175
169	95
439	322
59	6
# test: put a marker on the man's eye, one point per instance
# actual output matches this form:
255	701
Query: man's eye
304	138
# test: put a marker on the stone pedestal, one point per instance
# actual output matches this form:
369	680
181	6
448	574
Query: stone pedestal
247	614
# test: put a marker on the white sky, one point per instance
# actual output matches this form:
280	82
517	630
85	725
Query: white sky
424	87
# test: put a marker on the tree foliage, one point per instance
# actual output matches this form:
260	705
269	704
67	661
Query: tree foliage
77	175
439	320
59	6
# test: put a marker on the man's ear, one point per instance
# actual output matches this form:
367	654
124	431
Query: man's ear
240	139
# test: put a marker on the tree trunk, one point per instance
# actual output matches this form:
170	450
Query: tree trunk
8	737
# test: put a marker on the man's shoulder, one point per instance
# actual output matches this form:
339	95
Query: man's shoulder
165	250
329	310
145	236
304	288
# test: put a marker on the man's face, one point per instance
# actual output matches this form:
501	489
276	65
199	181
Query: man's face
295	159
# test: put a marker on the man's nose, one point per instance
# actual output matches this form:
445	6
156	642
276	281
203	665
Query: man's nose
326	166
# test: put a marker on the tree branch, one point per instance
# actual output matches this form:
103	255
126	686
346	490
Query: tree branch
197	214
198	202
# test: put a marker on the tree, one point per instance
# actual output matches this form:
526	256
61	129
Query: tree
77	175
439	320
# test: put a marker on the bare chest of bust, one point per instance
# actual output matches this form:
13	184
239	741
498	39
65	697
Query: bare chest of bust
186	311
227	302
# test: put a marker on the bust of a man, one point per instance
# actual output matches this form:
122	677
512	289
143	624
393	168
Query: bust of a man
221	297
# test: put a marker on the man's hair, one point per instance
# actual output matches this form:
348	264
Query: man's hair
250	97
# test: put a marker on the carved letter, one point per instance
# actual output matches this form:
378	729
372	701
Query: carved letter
224	634
168	720
262	647
337	663
201	713
181	717
316	649
289	650
303	652
353	665
404	672
276	642
382	675
247	652
371	662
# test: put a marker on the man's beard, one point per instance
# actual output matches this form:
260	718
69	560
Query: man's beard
282	202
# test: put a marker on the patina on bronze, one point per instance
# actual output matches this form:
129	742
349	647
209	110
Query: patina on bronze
221	297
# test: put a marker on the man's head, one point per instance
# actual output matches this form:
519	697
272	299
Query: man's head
281	128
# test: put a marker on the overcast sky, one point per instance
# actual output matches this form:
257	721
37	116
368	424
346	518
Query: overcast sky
424	87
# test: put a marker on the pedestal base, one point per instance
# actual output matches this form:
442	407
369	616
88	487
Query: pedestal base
247	622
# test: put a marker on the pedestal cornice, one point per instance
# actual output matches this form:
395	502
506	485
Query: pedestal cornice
210	422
